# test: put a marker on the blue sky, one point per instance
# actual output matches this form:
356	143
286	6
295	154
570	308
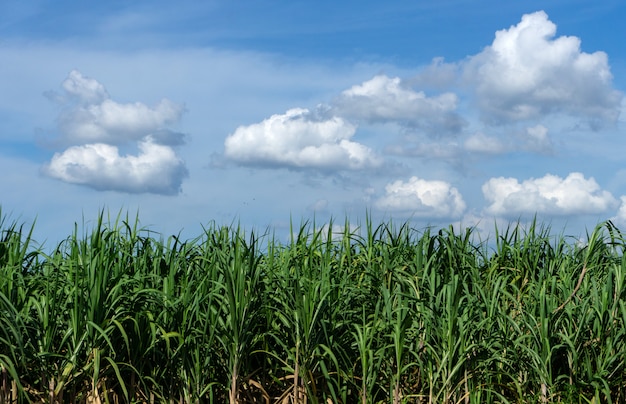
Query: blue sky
255	112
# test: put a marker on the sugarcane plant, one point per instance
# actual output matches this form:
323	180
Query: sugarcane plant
361	313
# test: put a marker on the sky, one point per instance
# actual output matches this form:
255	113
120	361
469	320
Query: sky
261	113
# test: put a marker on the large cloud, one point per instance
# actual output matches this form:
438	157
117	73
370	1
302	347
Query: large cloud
156	169
299	139
526	73
550	194
421	198
95	125
385	99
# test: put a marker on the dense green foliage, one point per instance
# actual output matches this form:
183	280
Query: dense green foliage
381	314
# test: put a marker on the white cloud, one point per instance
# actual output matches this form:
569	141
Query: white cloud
549	194
533	139
421	198
620	217
298	139
481	143
156	169
526	73
537	140
94	124
85	89
95	118
385	99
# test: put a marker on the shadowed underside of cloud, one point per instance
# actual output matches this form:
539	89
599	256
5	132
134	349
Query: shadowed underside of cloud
94	125
526	73
550	194
421	198
299	139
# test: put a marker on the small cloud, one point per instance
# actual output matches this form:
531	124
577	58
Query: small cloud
549	194
85	89
620	217
421	198
318	206
385	99
156	169
299	139
526	73
481	143
537	140
533	139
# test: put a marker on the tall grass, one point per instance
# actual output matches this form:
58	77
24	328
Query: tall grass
380	314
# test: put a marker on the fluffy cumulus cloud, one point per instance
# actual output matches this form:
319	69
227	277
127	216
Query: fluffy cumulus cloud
156	169
422	198
111	122
299	139
94	125
385	99
550	194
92	116
526	73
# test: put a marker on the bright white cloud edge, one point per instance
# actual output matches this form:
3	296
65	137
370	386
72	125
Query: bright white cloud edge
526	73
299	139
91	116
422	198
549	194
95	125
156	169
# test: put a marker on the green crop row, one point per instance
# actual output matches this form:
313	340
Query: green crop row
380	314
